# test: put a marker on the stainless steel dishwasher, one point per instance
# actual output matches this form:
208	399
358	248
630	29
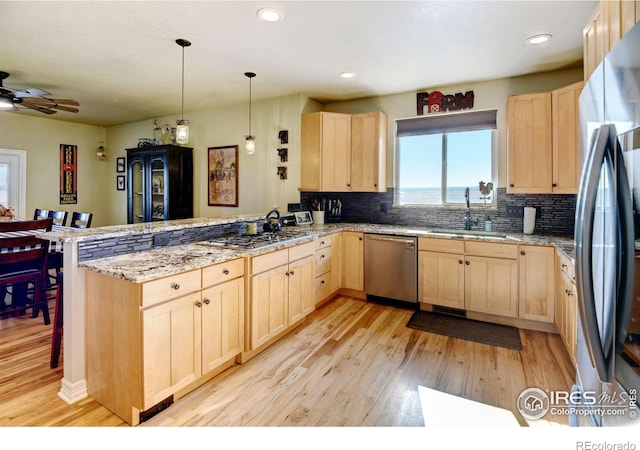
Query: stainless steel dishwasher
391	267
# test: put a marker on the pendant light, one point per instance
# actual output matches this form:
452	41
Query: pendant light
250	140
182	130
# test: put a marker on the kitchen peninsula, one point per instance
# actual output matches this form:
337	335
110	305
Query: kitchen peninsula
158	266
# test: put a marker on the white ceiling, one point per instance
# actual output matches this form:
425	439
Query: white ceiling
119	59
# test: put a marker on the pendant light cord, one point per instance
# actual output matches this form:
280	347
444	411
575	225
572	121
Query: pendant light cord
249	75
182	113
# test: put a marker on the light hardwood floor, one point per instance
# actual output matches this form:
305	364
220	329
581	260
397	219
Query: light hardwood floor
352	363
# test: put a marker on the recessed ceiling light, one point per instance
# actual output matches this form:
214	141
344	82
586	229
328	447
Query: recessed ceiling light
347	74
269	14
539	39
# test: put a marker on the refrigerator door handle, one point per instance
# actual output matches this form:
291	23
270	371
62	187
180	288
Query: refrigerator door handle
585	212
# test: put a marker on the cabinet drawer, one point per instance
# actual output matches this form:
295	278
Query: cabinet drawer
158	291
441	245
269	261
323	242
301	251
567	267
322	262
222	272
322	286
491	249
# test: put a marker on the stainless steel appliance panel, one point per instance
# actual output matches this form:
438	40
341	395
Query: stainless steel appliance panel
391	267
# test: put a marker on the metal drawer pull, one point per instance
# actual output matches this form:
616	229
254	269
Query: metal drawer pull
225	271
199	304
207	301
175	286
292	272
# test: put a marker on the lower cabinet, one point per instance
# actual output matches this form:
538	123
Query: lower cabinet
466	275
566	304
537	282
353	260
281	292
326	267
151	340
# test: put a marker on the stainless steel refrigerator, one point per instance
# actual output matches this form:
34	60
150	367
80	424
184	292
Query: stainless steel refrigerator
607	242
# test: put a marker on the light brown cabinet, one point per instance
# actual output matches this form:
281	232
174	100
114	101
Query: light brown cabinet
475	276
566	311
565	132
153	339
326	267
353	260
543	135
280	292
536	283
529	156
608	24
343	152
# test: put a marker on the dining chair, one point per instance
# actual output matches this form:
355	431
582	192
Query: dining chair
81	220
17	228
59	217
56	340
23	260
40	214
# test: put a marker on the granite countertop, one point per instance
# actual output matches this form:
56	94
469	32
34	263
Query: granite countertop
160	262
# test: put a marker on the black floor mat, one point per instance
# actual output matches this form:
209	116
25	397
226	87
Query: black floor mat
470	330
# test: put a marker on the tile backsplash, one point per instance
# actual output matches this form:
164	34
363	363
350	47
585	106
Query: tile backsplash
555	213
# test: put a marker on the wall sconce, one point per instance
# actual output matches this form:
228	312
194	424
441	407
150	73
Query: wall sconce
284	154
282	172
101	153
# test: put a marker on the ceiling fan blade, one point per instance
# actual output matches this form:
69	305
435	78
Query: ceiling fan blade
48	103
57	101
38	108
31	92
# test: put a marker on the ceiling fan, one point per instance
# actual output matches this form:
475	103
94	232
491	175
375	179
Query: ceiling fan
33	98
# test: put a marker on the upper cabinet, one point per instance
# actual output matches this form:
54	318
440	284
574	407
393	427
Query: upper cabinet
160	183
542	138
565	132
609	22
343	152
529	157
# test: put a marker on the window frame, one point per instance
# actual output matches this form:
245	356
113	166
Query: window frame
443	177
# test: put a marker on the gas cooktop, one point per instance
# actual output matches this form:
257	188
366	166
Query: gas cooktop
248	241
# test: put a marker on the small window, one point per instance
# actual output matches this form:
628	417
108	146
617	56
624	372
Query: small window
439	157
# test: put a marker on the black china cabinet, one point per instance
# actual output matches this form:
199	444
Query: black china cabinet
159	183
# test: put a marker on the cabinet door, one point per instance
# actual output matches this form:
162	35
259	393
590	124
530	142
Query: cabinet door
136	210
336	152
222	323
301	292
159	183
566	170
529	154
269	311
441	279
537	281
491	285
170	333
353	260
368	152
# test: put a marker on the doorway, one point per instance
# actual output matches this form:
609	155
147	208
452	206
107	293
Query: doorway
13	180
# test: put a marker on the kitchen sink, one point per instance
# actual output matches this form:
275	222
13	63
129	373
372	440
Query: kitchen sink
472	233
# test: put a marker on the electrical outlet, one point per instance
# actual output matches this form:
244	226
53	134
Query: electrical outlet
515	211
161	239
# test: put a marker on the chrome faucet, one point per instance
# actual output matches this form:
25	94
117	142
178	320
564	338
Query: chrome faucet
468	222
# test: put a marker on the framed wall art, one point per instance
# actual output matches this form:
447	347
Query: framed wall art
120	183
222	176
120	164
